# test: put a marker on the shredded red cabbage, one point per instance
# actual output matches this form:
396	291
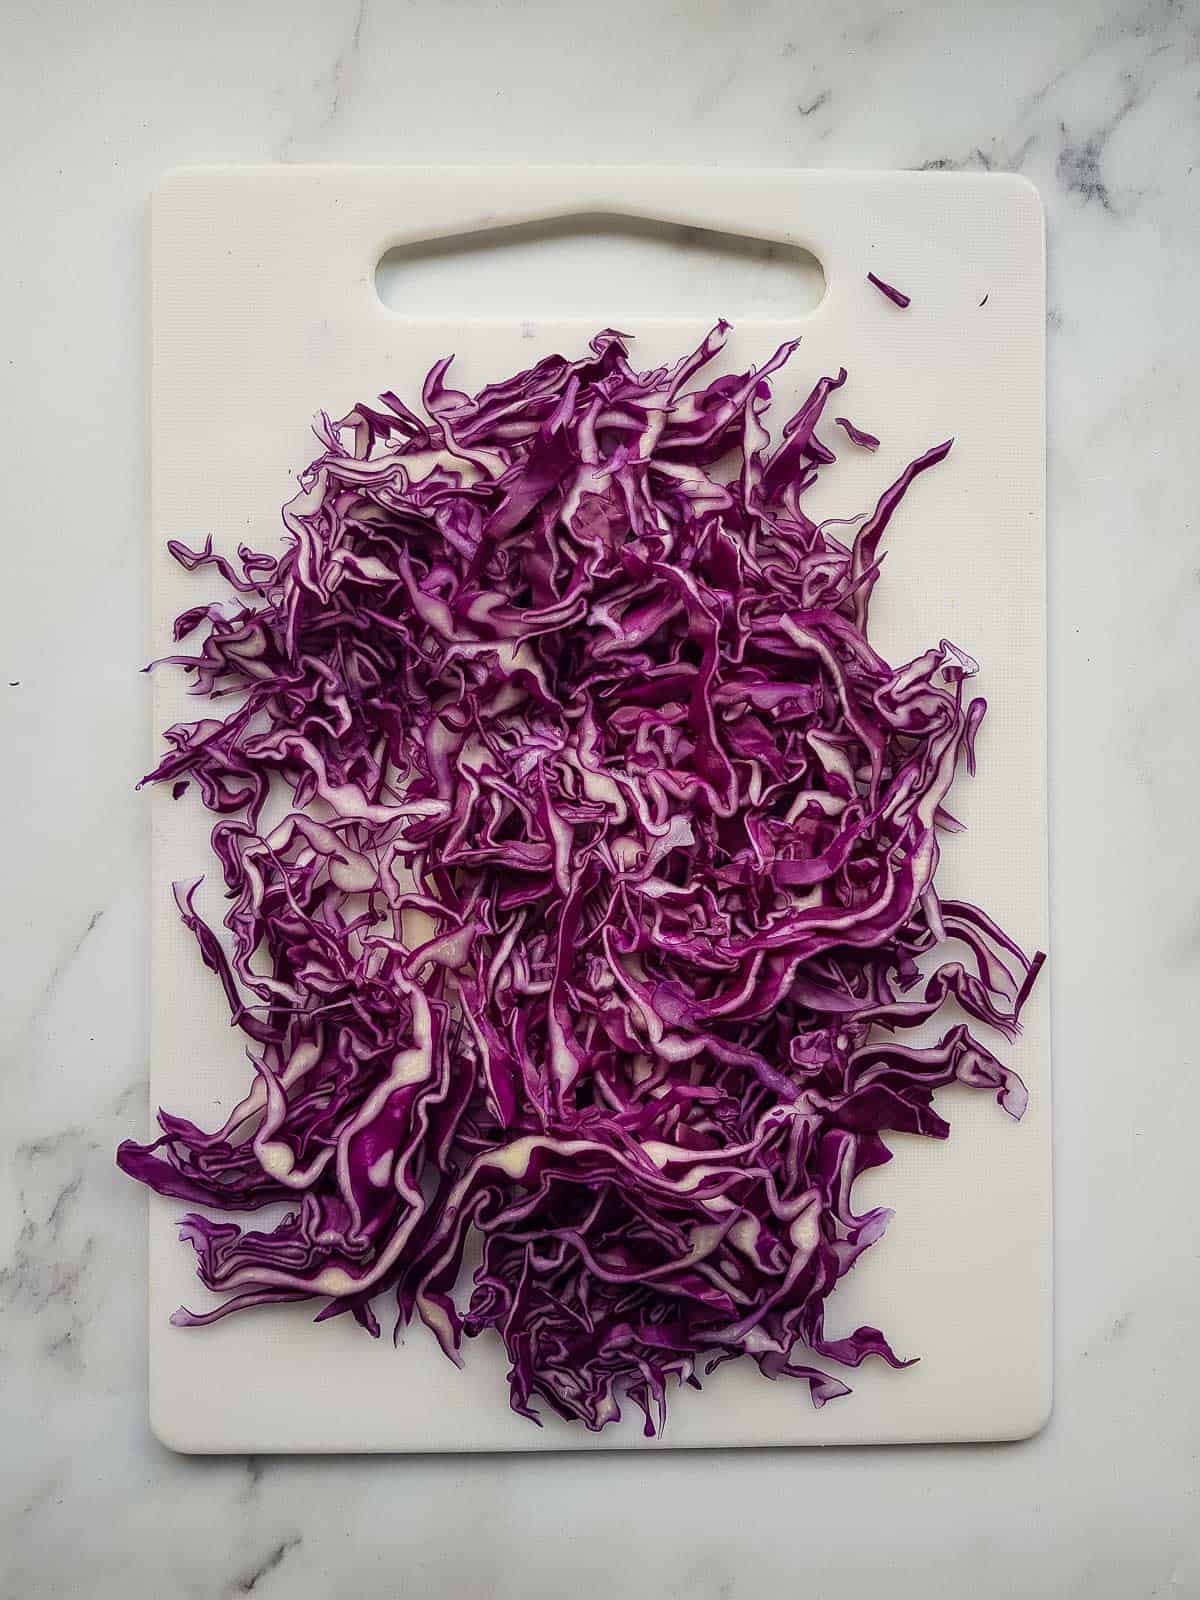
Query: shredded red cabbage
606	886
896	296
858	436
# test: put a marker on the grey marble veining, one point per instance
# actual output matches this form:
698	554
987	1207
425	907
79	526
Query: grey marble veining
1099	104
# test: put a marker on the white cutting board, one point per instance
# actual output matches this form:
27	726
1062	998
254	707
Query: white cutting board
264	309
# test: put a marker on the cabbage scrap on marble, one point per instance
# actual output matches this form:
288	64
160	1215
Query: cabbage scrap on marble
604	892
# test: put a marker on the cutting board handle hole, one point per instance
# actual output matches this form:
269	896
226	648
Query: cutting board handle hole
601	267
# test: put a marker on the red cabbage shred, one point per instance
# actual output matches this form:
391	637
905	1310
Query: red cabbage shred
890	292
605	890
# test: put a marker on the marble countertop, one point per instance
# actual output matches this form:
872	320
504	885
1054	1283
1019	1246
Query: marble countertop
1099	104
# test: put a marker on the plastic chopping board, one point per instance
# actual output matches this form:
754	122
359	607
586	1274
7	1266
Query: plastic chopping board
264	310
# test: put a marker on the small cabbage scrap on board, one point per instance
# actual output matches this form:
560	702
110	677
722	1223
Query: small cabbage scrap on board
605	892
